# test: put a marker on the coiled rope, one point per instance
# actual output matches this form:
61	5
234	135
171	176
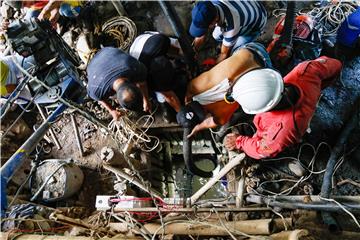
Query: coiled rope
122	29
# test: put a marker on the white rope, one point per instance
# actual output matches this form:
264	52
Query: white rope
331	16
343	208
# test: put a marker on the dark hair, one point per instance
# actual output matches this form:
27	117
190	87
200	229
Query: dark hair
130	97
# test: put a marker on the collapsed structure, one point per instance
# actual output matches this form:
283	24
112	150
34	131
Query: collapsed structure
77	174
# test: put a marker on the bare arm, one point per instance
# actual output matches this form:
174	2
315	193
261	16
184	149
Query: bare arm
172	100
225	51
144	90
51	5
207	123
115	114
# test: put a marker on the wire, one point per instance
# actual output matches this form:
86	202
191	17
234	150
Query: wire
331	16
342	207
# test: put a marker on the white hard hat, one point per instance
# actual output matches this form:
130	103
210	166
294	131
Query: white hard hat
258	90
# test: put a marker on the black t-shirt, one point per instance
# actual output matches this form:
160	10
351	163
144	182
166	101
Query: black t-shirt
151	49
108	65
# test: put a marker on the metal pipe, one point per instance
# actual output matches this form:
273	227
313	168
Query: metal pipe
240	190
180	33
16	160
133	180
315	204
51	131
77	134
119	8
230	165
4	109
192	210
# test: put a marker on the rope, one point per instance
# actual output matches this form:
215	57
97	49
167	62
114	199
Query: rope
122	29
331	16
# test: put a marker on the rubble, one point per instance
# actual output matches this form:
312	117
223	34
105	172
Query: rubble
71	172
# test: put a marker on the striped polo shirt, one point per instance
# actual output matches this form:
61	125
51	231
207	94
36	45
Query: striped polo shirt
239	18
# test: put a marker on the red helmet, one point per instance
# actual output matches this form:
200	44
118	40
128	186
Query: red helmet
304	24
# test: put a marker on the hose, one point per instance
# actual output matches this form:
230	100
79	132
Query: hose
188	158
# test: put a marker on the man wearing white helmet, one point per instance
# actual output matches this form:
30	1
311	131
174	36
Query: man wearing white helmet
209	88
283	107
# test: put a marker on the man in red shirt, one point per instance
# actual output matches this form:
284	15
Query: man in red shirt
283	107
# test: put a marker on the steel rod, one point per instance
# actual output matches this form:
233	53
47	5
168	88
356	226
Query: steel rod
314	203
133	180
230	165
193	210
77	134
16	160
51	131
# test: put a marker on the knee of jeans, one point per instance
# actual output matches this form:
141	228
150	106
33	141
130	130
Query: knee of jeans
31	14
67	10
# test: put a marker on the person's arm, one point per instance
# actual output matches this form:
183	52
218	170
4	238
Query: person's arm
114	113
225	51
255	147
144	90
207	123
49	7
172	100
198	42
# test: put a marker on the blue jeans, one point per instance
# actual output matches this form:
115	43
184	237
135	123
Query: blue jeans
256	48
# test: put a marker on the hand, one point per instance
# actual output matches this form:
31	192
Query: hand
54	16
5	25
198	41
147	106
43	15
115	114
193	132
188	98
230	141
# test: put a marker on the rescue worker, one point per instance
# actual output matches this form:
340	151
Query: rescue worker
348	35
151	49
10	76
283	107
235	22
207	91
112	71
48	9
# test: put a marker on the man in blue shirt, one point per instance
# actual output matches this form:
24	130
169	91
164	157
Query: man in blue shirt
348	34
235	22
113	71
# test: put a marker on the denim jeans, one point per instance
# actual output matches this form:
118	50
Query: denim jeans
258	49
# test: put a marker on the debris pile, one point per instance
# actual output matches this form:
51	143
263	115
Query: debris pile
113	149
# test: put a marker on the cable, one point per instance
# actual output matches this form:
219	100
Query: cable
122	29
331	16
342	207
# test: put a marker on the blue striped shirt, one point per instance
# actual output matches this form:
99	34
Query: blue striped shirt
239	18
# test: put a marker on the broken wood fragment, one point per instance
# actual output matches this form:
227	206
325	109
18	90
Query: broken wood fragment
258	227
